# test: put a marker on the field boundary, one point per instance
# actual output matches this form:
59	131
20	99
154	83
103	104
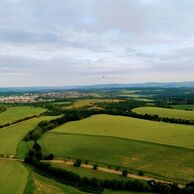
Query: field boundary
122	138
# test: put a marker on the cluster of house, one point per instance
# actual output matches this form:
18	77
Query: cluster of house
18	99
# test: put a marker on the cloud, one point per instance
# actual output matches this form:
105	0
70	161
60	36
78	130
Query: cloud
46	42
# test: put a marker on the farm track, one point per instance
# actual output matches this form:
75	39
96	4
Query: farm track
102	169
112	171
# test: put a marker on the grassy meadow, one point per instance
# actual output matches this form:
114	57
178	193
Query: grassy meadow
12	135
134	155
44	185
13	177
165	112
132	128
184	106
19	112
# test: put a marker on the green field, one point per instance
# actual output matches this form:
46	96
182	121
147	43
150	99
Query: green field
19	112
165	112
12	135
132	128
13	177
184	106
90	102
134	155
48	186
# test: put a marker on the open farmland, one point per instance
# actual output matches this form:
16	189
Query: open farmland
12	135
134	155
184	106
90	102
166	112
13	177
19	112
132	128
47	186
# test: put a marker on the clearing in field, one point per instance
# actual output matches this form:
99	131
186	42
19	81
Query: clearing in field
134	155
165	112
19	112
132	128
12	135
13	177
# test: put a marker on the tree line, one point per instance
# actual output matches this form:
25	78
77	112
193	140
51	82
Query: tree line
96	185
17	121
120	108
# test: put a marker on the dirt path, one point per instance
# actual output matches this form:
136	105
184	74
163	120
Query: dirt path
112	171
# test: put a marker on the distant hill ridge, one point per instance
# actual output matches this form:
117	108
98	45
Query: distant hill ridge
98	86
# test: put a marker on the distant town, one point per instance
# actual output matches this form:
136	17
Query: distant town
42	97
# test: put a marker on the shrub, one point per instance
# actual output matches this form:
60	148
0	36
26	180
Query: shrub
141	173
125	173
77	163
117	168
95	167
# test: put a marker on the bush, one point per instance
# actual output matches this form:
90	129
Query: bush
77	163
117	168
141	173
95	167
49	157
125	173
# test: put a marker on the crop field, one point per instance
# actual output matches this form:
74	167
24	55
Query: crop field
47	186
165	112
12	135
13	177
184	106
134	155
90	102
132	128
19	112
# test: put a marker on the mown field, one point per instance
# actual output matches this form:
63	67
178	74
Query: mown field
154	159
132	128
13	177
43	185
12	135
19	112
165	112
184	106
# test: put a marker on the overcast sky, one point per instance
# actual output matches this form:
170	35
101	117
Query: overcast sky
76	42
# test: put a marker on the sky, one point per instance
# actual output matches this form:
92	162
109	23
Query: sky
83	42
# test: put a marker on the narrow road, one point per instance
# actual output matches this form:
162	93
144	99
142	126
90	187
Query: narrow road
112	171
